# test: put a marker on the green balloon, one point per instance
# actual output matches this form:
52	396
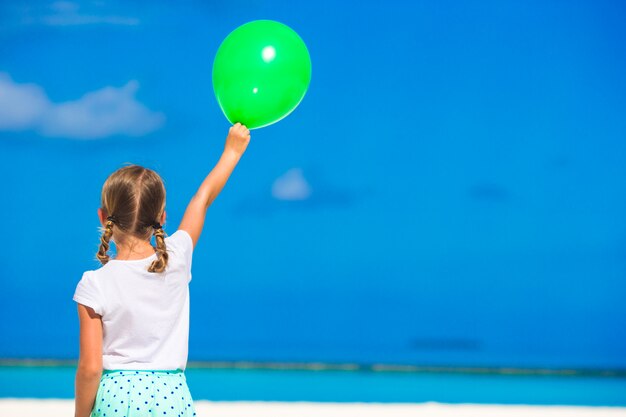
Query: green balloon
261	72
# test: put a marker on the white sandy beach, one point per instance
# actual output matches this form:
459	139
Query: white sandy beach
10	407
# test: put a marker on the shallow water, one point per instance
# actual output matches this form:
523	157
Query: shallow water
348	386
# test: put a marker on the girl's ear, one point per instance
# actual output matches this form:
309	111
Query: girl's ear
101	216
163	218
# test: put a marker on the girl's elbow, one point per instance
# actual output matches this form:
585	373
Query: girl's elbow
89	370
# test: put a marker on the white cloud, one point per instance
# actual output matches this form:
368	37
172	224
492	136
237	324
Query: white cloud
64	7
98	114
68	13
291	186
21	105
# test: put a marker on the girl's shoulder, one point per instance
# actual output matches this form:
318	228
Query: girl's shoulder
180	240
88	291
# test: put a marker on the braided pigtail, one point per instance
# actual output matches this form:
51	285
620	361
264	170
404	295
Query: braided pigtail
160	263
102	254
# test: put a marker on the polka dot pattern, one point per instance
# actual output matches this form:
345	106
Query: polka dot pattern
130	393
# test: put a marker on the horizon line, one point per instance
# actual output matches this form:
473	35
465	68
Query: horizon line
354	367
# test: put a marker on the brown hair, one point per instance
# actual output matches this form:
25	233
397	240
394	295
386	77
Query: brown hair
135	197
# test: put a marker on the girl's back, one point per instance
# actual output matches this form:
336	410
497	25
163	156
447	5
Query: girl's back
145	315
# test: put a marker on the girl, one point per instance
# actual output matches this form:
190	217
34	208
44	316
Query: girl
134	310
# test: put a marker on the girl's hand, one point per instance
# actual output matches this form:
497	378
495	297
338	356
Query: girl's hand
237	139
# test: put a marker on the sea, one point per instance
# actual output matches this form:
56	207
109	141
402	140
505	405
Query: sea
324	383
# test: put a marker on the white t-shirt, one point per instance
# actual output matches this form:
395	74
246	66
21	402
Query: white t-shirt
145	315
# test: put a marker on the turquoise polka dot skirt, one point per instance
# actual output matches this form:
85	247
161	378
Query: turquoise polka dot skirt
130	393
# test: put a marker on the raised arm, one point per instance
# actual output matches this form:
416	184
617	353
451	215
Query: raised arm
236	144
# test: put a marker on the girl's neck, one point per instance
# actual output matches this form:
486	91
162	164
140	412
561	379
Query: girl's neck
133	250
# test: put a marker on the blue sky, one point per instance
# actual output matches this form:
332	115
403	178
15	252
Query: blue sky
453	177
